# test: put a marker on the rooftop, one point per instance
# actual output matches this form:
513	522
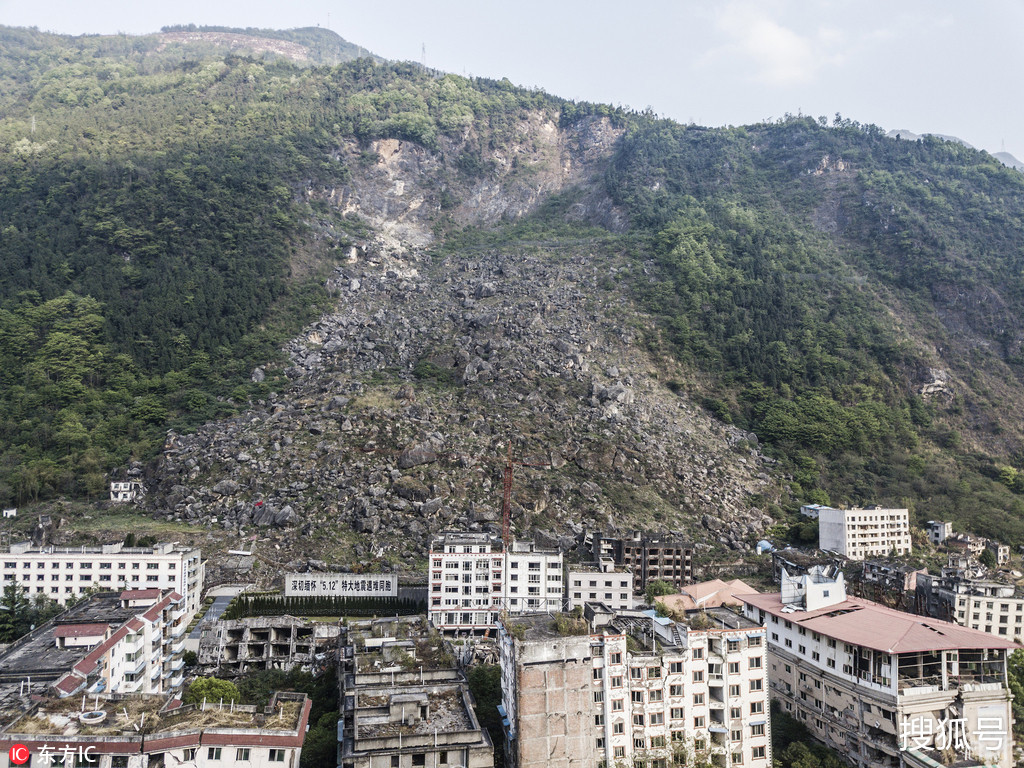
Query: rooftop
862	622
133	715
708	594
384	713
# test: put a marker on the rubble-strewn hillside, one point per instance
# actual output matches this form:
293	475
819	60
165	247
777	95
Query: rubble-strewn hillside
404	398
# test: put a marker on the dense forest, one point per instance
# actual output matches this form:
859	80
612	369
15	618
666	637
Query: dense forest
811	276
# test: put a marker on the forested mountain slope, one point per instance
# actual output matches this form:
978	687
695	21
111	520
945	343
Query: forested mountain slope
172	212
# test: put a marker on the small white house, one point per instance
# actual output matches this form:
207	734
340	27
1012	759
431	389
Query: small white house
126	491
12	512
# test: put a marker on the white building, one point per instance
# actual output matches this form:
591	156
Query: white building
939	531
812	510
472	580
143	655
879	685
859	533
128	490
672	691
602	583
534	579
65	573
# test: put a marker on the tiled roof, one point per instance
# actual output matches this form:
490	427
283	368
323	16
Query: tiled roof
862	622
80	630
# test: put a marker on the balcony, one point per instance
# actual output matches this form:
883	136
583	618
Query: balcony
178	647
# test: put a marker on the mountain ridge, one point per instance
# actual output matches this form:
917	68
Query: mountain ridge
805	312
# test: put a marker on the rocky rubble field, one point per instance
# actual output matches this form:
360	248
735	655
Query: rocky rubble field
402	403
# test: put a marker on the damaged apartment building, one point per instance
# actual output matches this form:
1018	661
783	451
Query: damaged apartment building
404	702
239	646
634	688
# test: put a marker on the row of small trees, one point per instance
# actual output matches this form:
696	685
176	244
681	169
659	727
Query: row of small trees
321	605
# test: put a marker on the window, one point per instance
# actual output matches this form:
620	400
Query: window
395	760
755	662
617	705
188	755
599	673
698	653
756	707
757	730
675	690
657	741
617	681
735	713
675	667
638	720
615	658
618	728
734	667
734	690
698	722
737	758
598	697
636	673
698	699
657	718
242	755
419	759
638	743
758	752
754	642
698	676
637	697
677	713
653	672
620	752
757	684
598	719
656	695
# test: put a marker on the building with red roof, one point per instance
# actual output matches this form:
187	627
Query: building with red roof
882	686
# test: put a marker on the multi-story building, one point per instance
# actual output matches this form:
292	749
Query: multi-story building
473	579
66	573
604	582
142	731
404	703
125	491
797	561
883	687
965	542
1001	552
649	557
893	576
870	532
232	647
130	642
939	531
534	579
638	690
982	604
143	655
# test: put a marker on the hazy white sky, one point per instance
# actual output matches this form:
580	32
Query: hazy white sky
941	66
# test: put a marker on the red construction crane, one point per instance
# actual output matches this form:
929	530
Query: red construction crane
506	502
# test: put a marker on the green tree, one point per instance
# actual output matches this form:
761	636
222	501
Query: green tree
987	559
212	690
658	588
15	613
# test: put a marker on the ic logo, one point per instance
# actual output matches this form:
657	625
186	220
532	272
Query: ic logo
18	754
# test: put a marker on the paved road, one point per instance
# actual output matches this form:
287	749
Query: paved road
214	612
